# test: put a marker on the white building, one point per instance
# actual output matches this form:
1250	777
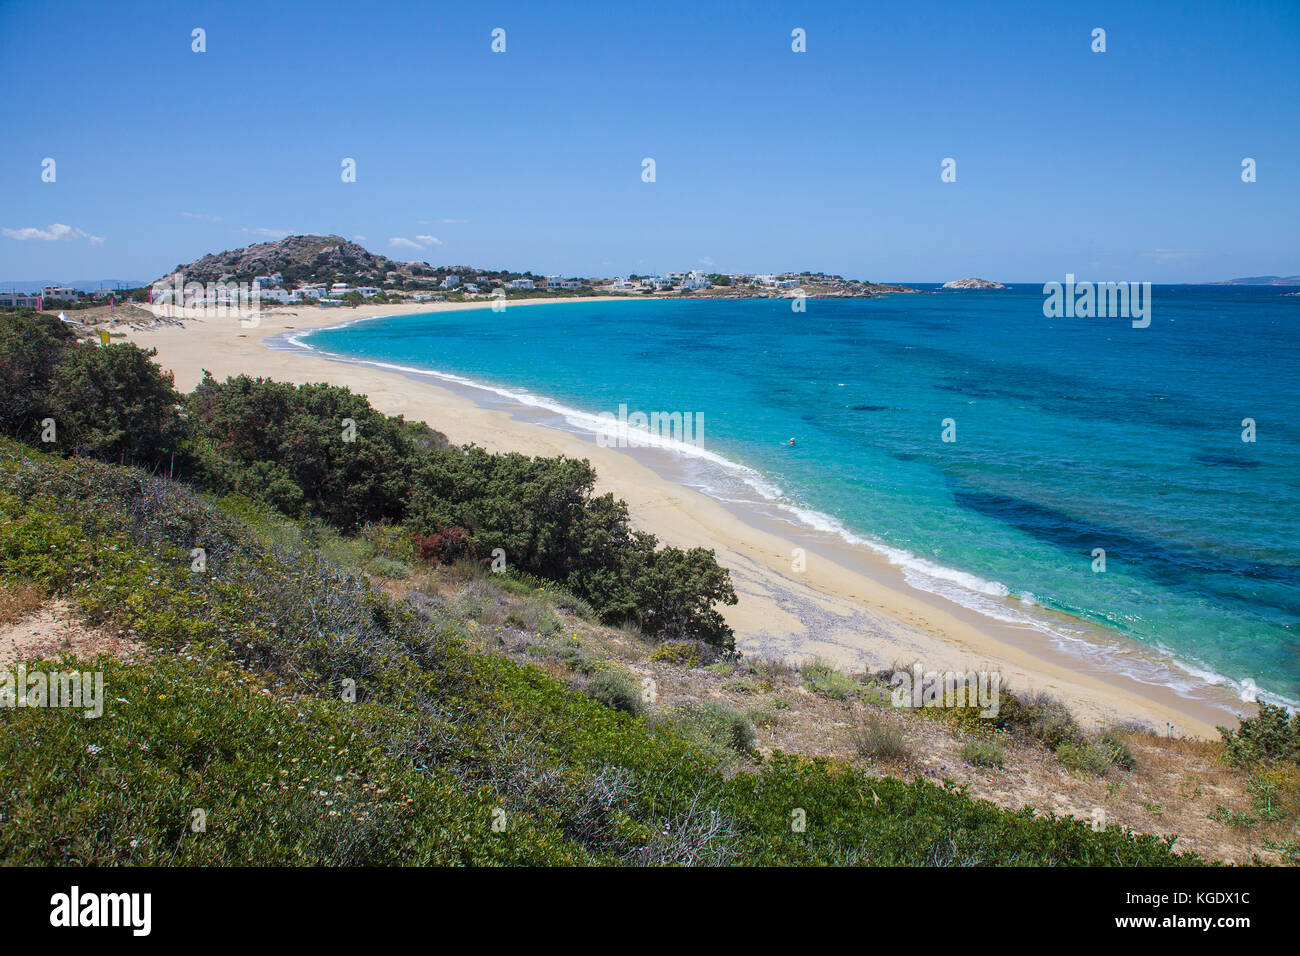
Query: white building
622	283
471	287
269	281
311	292
65	292
521	284
556	282
368	291
696	280
338	290
18	300
450	282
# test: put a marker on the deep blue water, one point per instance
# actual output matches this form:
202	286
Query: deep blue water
1071	435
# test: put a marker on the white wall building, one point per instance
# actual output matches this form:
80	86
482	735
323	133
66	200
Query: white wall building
450	282
521	284
65	292
696	280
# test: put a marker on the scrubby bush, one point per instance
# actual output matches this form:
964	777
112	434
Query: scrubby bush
681	653
718	730
1083	757
1115	747
878	737
444	546
351	463
1272	736
31	347
821	677
616	689
1038	719
114	404
388	568
982	753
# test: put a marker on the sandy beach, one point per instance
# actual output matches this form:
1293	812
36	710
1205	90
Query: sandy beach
848	605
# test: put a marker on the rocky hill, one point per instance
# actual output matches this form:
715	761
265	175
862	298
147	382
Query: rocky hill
973	284
301	259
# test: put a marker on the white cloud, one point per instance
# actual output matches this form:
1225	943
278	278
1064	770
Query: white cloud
52	233
443	222
268	233
201	216
419	242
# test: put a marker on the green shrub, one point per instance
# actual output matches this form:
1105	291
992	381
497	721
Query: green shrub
1038	719
682	653
388	568
720	731
1083	757
1112	744
113	403
616	689
1269	737
32	345
821	677
982	753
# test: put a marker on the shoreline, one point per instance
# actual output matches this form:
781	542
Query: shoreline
850	605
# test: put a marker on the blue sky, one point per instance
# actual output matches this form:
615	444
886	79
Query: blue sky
1122	165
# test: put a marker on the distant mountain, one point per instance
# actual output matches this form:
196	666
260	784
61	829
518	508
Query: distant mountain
302	259
1262	280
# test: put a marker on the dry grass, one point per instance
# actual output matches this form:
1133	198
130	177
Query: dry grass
17	600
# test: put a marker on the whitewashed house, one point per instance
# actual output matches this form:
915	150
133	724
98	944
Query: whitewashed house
696	280
521	284
449	283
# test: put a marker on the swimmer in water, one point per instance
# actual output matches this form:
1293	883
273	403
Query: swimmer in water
791	441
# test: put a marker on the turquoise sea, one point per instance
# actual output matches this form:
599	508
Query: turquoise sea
1072	434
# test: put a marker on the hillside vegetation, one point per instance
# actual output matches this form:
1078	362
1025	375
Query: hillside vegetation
285	709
